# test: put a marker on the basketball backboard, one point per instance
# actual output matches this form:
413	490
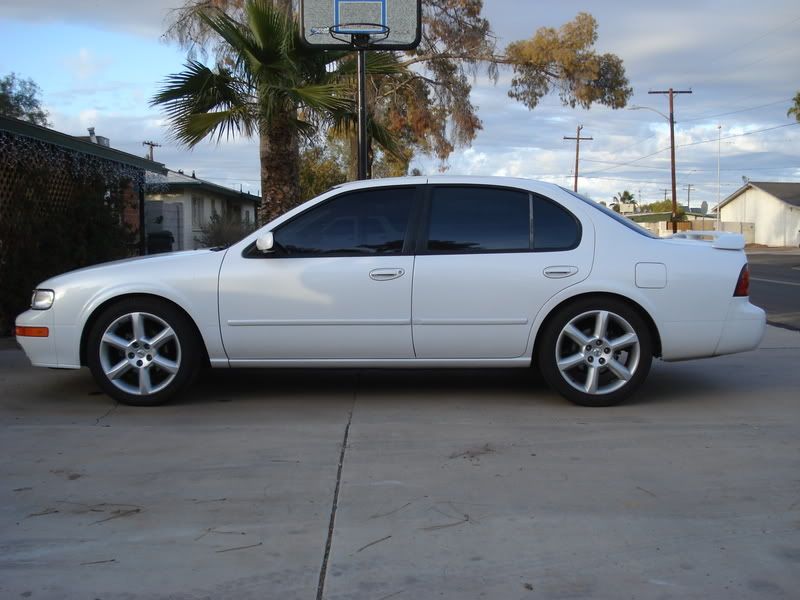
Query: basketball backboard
386	24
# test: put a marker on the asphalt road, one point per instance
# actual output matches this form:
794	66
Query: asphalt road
405	485
775	286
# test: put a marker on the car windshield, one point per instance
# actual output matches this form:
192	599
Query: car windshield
613	214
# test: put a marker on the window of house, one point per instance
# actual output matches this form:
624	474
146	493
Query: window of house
198	216
354	223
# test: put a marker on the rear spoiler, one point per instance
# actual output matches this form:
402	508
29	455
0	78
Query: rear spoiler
722	240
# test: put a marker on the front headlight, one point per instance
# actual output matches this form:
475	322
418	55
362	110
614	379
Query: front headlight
42	299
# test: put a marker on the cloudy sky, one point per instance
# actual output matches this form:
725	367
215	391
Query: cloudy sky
99	63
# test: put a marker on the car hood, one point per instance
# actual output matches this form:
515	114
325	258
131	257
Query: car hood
155	262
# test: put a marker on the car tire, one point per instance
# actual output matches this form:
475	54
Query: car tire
143	351
595	351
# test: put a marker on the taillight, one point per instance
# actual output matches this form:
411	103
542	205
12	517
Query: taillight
743	285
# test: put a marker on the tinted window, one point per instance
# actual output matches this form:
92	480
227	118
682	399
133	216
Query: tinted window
365	222
478	219
553	227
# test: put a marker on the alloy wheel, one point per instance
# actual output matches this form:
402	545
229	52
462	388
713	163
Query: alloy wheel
597	352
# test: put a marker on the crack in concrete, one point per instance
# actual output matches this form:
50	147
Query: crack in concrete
329	542
107	413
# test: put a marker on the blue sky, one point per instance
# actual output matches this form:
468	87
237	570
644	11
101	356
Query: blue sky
98	64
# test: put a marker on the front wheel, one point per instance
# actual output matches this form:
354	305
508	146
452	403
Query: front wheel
142	351
595	352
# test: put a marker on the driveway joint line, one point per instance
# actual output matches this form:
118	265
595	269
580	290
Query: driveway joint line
332	524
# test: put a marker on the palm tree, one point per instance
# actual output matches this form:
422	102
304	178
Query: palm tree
794	111
268	85
624	197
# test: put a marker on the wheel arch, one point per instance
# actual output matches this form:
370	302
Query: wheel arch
651	325
98	310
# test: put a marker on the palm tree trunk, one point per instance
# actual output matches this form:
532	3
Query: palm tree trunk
280	177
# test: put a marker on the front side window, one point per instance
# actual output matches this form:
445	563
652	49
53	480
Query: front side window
478	219
362	222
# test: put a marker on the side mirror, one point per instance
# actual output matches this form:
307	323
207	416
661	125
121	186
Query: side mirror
266	242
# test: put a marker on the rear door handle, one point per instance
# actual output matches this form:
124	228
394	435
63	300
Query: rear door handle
560	271
386	274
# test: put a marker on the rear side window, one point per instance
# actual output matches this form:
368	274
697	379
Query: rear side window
553	227
355	223
478	219
485	219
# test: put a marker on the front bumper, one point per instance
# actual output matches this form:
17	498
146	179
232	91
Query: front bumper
743	329
40	350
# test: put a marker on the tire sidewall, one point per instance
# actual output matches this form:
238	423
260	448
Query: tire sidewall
547	350
180	324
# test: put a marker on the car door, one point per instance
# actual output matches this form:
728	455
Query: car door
488	260
337	284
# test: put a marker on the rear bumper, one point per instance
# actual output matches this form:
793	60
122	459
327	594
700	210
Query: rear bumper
743	329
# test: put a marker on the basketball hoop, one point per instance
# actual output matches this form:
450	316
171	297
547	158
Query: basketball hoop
361	35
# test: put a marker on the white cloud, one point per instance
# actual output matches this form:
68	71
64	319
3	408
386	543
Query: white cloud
84	65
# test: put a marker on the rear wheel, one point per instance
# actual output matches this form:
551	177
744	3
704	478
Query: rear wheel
596	352
142	351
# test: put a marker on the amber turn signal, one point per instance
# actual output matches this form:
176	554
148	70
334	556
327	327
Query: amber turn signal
31	331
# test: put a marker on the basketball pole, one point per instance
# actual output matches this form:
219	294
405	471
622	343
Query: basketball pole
362	113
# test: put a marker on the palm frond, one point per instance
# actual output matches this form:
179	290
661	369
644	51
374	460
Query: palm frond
216	124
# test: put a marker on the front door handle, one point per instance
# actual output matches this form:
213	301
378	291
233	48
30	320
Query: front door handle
560	271
386	274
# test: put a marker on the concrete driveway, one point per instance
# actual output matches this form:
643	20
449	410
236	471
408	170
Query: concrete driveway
451	485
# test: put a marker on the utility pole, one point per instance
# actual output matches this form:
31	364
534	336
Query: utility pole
671	93
719	149
152	145
577	139
689	187
665	193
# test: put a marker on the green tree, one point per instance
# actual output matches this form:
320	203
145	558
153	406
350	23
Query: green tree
661	206
19	98
321	168
428	108
794	111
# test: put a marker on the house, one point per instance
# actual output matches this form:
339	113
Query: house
67	161
772	209
65	203
183	205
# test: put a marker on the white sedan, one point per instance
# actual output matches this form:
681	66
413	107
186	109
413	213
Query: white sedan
406	273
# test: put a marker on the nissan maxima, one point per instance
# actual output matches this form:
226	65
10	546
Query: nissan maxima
408	273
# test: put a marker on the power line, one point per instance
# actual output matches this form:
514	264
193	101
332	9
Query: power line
754	40
733	112
728	137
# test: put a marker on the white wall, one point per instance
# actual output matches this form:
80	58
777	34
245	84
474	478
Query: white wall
776	223
193	221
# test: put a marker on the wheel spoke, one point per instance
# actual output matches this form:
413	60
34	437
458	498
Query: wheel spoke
114	340
118	369
137	322
565	364
592	378
619	369
576	335
144	381
161	337
166	364
623	341
601	324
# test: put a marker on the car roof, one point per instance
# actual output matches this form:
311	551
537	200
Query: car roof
519	182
